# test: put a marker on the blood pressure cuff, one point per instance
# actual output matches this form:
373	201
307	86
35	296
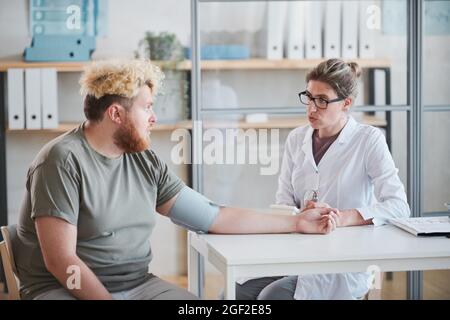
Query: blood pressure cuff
193	211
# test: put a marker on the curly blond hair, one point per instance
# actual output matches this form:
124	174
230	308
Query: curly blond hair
120	77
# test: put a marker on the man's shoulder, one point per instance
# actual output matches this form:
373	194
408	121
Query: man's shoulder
148	156
59	150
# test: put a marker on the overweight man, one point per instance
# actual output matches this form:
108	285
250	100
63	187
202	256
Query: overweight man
92	195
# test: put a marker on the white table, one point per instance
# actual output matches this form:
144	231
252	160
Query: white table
352	249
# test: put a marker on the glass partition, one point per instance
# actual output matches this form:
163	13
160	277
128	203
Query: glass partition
436	130
254	58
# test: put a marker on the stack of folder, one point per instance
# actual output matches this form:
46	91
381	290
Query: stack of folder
32	99
332	29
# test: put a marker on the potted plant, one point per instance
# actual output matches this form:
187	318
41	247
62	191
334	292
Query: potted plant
164	46
172	101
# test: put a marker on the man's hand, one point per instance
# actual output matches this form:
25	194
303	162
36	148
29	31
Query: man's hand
317	220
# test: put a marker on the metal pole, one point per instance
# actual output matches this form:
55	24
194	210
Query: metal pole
197	146
3	185
415	38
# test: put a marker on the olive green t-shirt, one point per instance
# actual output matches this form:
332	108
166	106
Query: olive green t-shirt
111	201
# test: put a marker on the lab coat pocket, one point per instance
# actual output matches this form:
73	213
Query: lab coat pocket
302	181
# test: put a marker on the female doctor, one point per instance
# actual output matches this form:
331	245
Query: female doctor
338	162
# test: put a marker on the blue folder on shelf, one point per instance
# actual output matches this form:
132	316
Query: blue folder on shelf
60	48
65	30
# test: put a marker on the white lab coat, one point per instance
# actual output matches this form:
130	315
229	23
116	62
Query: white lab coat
356	172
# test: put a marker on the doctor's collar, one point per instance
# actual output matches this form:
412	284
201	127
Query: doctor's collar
344	136
347	131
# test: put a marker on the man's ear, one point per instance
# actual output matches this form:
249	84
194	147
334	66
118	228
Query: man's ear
116	113
347	103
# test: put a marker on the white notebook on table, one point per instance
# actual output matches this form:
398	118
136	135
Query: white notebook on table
428	226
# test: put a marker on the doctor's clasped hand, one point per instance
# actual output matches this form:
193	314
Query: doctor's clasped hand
317	220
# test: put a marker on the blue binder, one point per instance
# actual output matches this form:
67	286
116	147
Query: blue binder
63	41
46	48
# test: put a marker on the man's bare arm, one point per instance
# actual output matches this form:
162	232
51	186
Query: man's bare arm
240	221
58	240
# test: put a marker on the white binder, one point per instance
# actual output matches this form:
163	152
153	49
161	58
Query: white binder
49	98
15	99
33	98
313	29
350	29
275	18
332	32
368	24
295	46
379	87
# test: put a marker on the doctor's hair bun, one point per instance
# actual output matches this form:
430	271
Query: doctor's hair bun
342	76
355	68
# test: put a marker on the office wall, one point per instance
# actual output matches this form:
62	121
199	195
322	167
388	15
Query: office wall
127	23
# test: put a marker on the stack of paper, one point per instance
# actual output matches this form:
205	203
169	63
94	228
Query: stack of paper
431	226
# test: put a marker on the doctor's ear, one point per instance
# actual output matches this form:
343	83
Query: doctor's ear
347	103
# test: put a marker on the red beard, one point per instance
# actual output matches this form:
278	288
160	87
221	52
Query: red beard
128	139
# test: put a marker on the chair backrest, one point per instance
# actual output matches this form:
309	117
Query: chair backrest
9	266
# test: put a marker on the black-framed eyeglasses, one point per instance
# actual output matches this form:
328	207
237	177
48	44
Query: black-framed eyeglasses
320	103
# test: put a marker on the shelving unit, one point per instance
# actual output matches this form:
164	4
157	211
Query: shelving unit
273	123
76	66
67	126
185	65
249	64
284	64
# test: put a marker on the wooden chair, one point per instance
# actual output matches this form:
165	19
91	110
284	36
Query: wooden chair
9	265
